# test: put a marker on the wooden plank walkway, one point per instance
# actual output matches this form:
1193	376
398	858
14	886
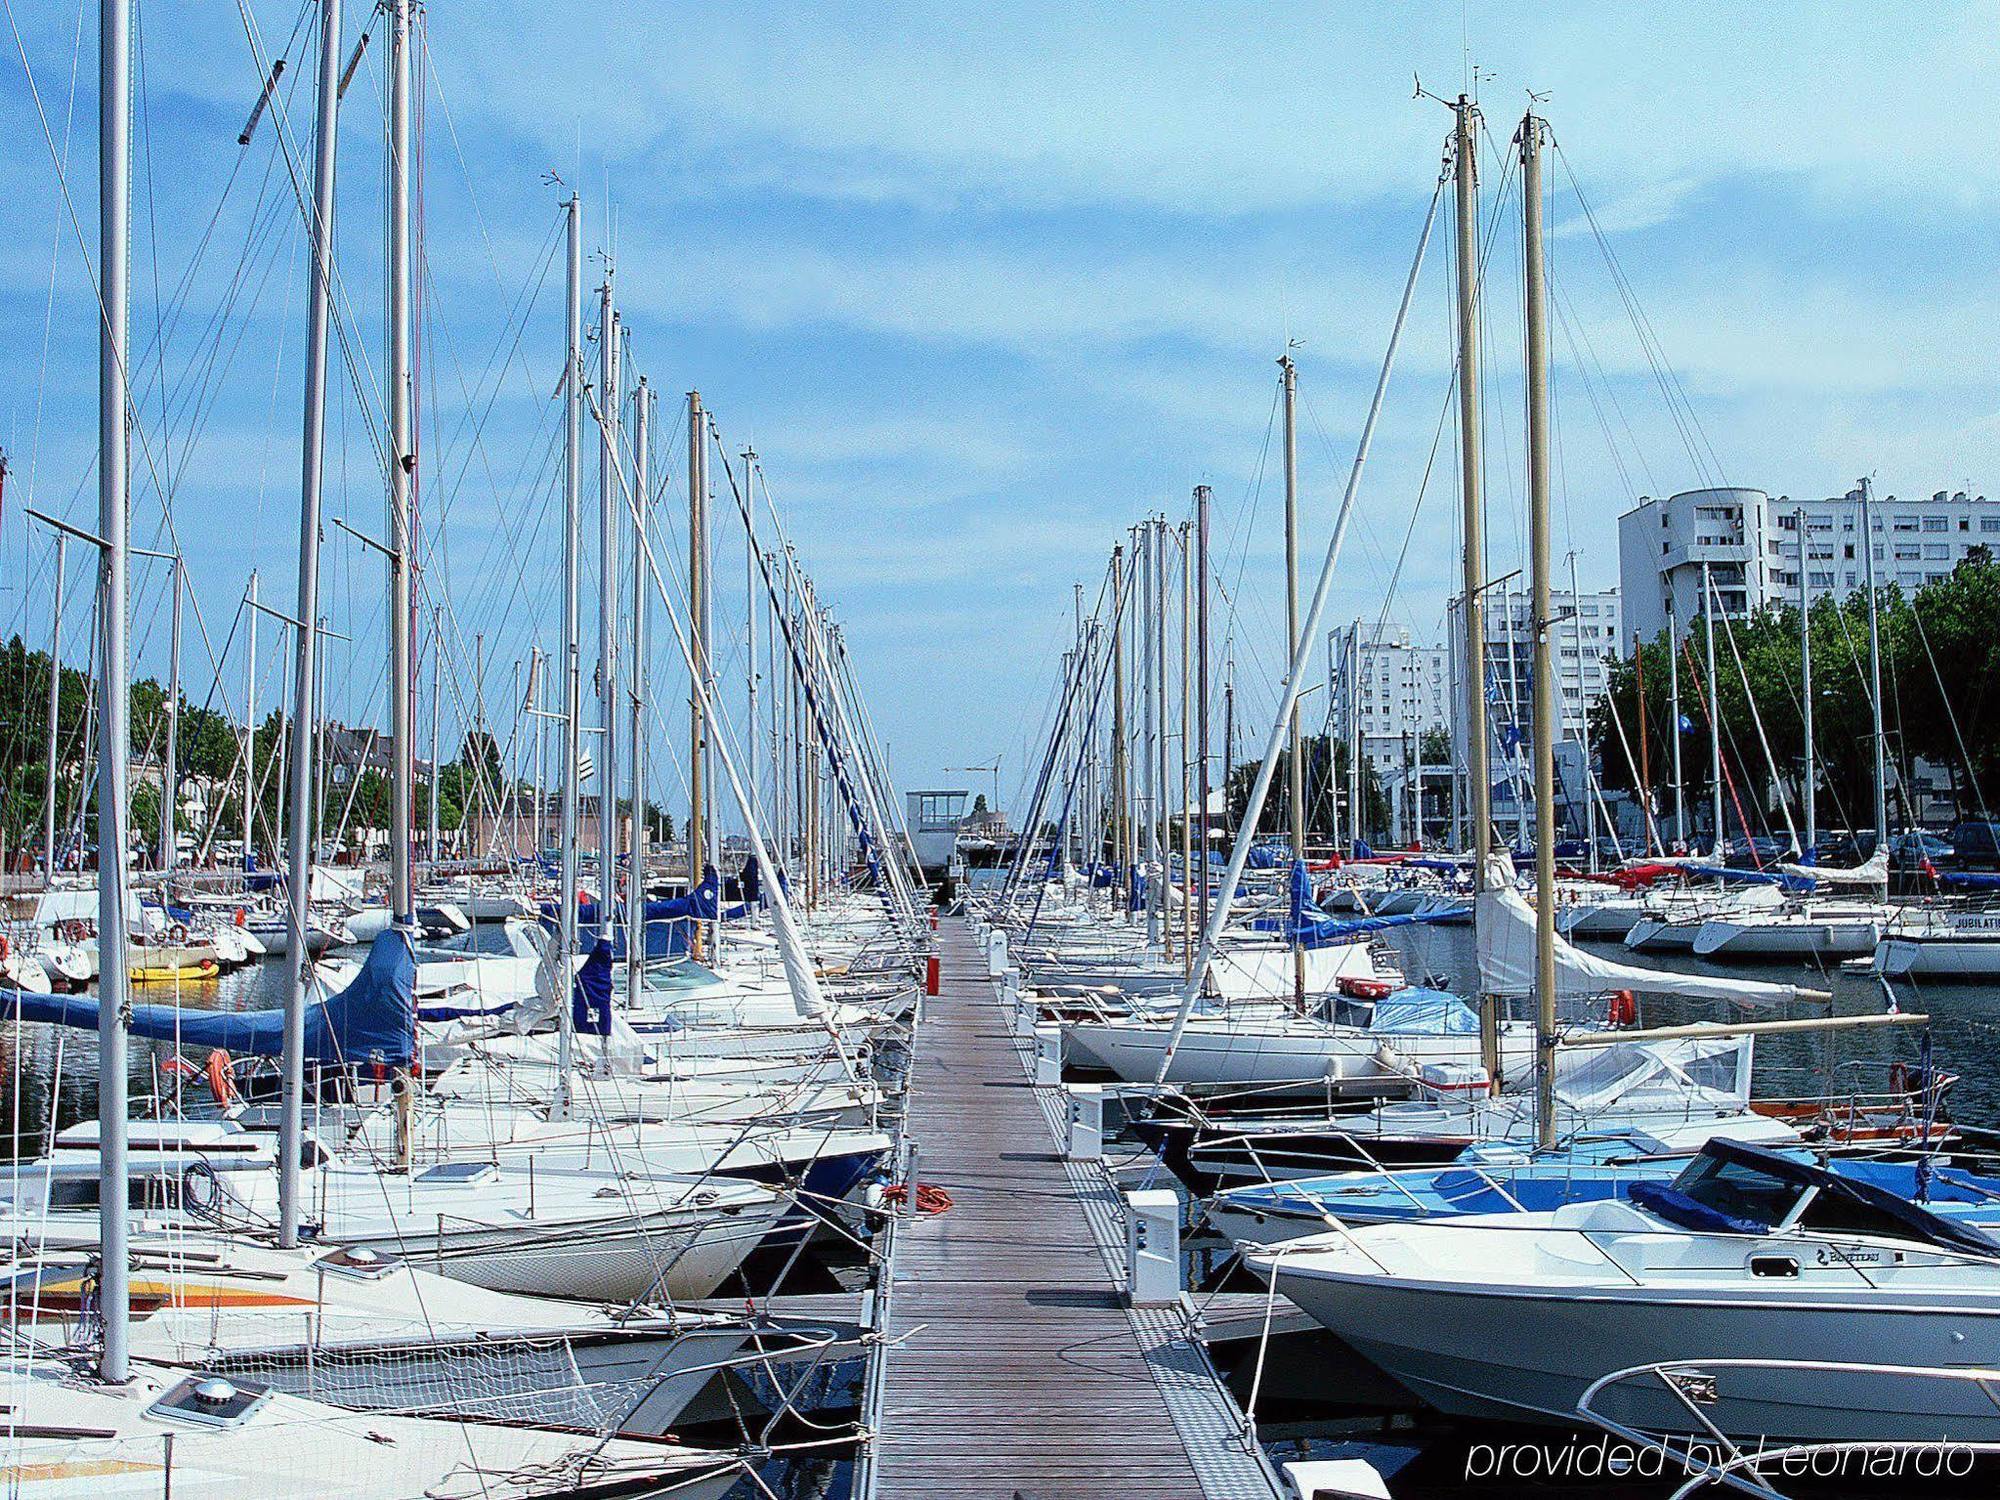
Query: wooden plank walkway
1013	1368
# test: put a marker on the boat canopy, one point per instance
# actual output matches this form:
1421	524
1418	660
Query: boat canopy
370	1022
1740	1188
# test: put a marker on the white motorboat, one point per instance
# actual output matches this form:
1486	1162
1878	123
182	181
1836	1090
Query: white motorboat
1747	1255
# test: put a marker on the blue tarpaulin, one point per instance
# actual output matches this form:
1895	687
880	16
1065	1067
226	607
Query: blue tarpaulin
1430	1012
371	1021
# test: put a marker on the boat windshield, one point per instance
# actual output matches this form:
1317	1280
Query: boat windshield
1738	1190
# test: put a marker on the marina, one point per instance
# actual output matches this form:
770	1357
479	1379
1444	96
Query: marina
767	759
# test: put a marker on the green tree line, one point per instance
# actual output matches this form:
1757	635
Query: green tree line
1940	691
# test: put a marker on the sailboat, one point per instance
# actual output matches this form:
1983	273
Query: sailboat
111	1417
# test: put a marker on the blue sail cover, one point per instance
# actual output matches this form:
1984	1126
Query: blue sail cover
590	996
1322	931
372	1021
1301	894
1265	857
668	924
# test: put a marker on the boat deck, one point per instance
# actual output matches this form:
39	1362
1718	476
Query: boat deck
1012	1365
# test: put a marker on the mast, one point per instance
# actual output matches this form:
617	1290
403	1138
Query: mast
113	737
751	666
249	725
1465	171
1806	706
311	468
437	702
1162	633
1544	710
571	772
1708	602
402	474
1674	728
1201	502
55	707
607	607
1187	819
697	588
1295	772
635	873
1875	674
1118	818
170	776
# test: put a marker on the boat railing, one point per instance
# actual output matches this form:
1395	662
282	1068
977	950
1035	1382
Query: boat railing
1692	1386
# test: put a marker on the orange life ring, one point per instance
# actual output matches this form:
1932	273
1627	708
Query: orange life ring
3	945
177	933
1624	1008
221	1082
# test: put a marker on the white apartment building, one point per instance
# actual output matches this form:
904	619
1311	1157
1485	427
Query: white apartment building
1389	689
1584	640
1750	542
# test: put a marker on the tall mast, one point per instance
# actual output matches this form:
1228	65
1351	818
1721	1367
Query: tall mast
635	874
170	775
1295	771
1149	710
751	666
1714	713
1479	810
250	723
1806	706
1544	709
697	585
607	607
114	82
437	703
1201	502
571	772
1674	728
402	474
1118	819
55	707
1875	673
1187	818
311	467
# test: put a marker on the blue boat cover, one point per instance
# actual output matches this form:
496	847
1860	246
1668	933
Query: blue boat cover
372	1021
1424	1011
590	996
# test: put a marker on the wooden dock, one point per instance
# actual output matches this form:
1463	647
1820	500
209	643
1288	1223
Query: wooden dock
1011	1365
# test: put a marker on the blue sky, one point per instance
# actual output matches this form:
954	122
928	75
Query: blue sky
985	286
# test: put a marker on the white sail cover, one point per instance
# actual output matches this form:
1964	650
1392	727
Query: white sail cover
1506	931
1873	871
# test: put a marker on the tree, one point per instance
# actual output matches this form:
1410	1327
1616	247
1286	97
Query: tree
979	804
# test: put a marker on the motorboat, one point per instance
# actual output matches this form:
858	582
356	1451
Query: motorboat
1749	1254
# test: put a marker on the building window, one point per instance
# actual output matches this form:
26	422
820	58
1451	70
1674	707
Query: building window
1937	523
1822	580
1989	524
1937	551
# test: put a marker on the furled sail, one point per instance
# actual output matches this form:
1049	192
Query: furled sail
1506	931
